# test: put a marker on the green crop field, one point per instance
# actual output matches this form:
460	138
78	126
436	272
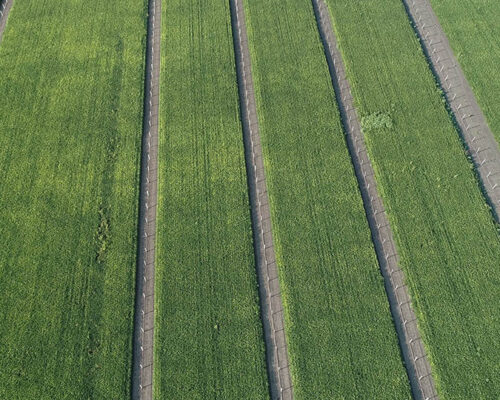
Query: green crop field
71	95
448	243
72	82
208	338
342	342
473	30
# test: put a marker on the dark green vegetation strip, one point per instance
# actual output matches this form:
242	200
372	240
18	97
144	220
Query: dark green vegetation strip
411	344
208	335
448	244
342	342
473	30
71	87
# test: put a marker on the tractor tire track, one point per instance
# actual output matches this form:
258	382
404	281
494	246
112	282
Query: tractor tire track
142	363
269	290
412	347
5	6
473	127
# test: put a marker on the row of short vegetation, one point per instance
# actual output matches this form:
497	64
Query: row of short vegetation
473	31
447	240
71	90
338	322
209	341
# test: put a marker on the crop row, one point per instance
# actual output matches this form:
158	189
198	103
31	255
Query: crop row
208	336
447	241
341	337
474	33
71	89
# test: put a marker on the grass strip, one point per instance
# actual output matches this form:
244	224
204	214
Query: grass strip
473	31
342	341
447	240
71	114
208	336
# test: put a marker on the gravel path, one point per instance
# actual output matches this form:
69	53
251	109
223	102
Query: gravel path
474	129
413	350
142	370
270	296
5	6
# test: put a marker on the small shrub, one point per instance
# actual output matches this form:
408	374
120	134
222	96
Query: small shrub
376	121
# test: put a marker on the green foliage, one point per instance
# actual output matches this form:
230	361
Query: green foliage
473	31
376	121
209	340
71	91
447	241
342	341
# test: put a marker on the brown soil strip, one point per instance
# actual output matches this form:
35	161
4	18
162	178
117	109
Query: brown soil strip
5	6
467	114
270	296
142	368
417	364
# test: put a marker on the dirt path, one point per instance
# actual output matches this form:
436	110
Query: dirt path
142	369
5	6
270	296
473	126
417	365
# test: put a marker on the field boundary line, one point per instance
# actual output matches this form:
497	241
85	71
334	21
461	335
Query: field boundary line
468	116
142	363
5	6
278	369
412	347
